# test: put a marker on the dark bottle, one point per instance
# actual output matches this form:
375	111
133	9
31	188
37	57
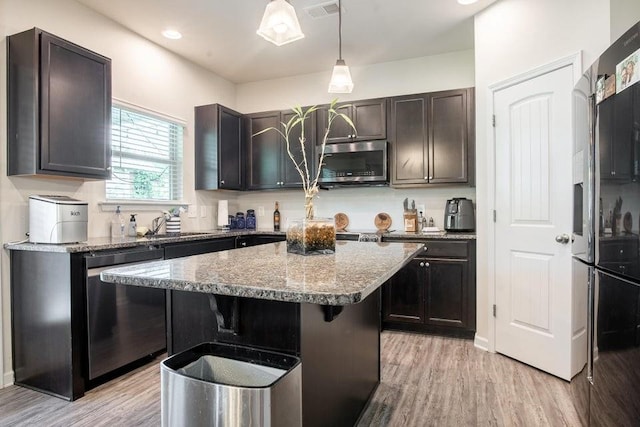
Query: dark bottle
276	219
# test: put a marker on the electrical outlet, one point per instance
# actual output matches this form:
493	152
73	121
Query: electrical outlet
260	210
203	211
193	211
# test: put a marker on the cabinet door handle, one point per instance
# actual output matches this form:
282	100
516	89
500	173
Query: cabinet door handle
426	178
426	264
422	264
613	172
430	177
222	182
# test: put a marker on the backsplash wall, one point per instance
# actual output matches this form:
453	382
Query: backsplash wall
360	204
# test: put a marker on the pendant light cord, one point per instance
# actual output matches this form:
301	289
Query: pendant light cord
340	29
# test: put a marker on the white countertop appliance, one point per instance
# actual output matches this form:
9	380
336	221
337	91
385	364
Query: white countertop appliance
57	219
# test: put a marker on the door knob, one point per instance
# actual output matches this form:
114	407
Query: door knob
562	238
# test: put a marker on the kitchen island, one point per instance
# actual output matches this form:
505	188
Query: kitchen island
324	309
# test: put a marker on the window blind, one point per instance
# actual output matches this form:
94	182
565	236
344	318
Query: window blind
146	157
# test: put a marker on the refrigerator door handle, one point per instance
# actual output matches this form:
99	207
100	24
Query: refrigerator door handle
590	324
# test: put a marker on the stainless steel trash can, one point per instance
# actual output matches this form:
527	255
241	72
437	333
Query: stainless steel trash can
223	385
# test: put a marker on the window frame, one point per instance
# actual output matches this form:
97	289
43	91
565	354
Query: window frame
175	150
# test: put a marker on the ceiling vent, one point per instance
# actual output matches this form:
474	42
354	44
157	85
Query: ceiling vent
322	10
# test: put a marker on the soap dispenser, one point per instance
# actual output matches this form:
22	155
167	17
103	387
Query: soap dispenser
117	225
132	226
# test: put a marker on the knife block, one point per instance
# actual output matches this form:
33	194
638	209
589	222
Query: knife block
411	220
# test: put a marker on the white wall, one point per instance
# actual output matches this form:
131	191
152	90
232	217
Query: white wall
360	204
511	37
143	74
624	14
425	74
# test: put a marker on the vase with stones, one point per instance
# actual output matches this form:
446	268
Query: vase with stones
309	235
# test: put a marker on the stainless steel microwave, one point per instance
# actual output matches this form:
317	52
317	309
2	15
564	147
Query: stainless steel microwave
355	163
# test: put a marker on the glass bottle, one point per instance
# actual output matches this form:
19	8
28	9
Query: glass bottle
240	222
251	219
276	218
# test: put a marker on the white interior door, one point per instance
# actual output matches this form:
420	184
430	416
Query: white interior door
533	207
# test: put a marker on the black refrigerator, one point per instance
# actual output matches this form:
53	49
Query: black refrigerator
606	228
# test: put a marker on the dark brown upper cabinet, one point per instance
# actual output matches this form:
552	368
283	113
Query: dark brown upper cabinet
58	108
219	154
268	162
432	138
617	135
368	117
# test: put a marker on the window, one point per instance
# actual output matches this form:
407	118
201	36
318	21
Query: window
146	157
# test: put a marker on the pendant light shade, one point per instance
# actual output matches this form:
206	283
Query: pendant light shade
280	24
340	77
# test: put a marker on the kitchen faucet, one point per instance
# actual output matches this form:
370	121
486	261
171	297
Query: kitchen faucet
157	222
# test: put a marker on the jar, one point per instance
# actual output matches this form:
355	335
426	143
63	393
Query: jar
251	219
232	222
240	223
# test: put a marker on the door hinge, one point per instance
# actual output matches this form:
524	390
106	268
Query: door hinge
493	120
494	215
494	310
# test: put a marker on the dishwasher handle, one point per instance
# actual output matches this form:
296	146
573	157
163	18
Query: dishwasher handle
121	257
93	272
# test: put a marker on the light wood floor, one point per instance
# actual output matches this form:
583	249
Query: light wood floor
426	381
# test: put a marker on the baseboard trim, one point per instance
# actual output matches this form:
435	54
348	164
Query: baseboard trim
481	343
7	379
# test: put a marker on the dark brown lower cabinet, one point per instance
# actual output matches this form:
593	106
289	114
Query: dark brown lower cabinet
435	292
403	296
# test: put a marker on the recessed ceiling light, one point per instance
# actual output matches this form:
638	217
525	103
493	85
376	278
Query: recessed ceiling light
172	34
465	2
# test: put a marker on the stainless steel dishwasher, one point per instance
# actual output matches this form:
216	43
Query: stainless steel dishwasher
125	323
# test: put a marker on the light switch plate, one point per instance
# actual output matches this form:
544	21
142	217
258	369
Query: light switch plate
193	211
260	210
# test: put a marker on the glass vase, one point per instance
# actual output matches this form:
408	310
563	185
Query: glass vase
311	236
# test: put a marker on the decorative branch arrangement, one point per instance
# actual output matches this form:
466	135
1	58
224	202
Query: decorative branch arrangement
302	164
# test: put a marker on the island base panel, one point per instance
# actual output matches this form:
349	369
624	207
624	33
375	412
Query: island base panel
340	362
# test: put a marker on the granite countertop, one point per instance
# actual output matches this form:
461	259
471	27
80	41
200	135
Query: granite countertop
106	243
269	272
406	235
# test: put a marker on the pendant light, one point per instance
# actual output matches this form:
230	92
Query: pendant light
280	24
340	77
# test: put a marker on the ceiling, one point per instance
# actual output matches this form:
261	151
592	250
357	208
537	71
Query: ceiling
221	35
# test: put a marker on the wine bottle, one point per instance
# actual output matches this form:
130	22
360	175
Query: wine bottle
276	219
